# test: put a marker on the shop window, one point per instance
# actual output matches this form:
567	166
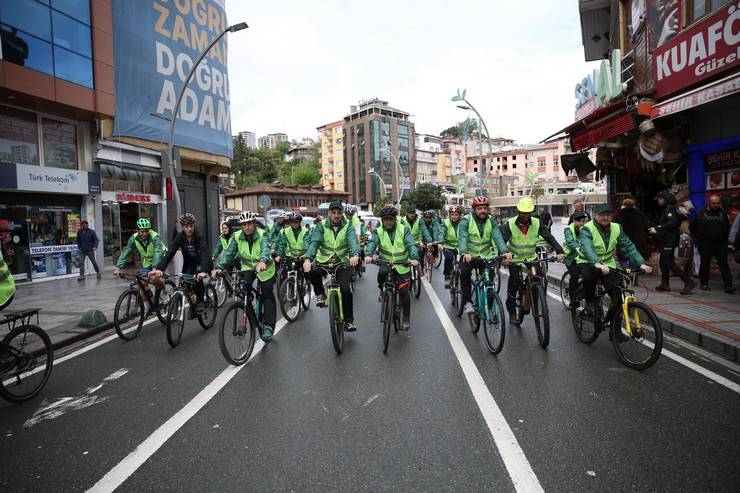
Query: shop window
54	226
60	144
26	50
696	9
71	34
18	136
135	181
152	183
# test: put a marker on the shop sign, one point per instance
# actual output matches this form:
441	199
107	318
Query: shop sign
47	179
142	198
706	49
601	87
41	250
710	92
723	160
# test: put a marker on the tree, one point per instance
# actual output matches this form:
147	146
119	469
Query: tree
382	201
283	147
425	196
306	174
458	130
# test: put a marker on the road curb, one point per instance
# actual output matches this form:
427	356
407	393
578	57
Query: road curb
68	341
705	339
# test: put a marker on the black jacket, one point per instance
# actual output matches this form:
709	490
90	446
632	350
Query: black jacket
710	227
669	226
201	246
87	240
635	225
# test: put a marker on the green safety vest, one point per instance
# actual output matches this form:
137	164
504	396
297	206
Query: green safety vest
395	251
523	247
333	246
251	257
451	236
295	245
147	254
225	242
415	231
605	253
7	283
480	246
572	228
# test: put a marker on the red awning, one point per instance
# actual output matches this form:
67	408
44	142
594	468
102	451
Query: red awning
702	95
606	130
590	119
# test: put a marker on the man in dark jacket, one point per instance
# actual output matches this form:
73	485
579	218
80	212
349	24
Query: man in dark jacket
668	233
635	225
710	229
87	244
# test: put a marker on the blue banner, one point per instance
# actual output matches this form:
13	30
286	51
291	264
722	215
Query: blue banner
156	43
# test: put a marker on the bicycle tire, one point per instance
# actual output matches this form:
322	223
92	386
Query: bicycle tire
620	340
133	307
397	312
498	279
430	270
305	288
241	330
164	299
417	282
208	318
387	318
494	325
474	317
10	380
176	318
564	290
519	312
439	260
336	325
222	291
291	313
541	315
353	281
585	329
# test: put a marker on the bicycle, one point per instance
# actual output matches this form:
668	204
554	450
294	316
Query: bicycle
224	286
416	280
455	293
641	291
390	306
334	299
633	326
24	352
242	318
532	296
129	314
177	310
430	261
294	292
541	250
487	305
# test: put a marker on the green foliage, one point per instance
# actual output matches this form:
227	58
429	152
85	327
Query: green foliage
458	130
382	201
284	147
255	166
425	196
307	174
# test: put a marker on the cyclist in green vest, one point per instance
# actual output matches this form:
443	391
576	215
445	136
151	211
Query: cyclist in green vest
450	240
252	248
223	240
334	240
277	228
571	247
7	284
350	213
395	243
521	234
431	227
601	240
478	235
292	242
419	234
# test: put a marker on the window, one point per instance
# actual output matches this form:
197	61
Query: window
699	8
152	183
60	144
513	165
19	136
55	38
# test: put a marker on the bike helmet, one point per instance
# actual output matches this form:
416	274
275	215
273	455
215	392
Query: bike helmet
143	223
318	219
429	213
480	200
388	210
294	216
187	219
525	204
247	217
350	209
457	208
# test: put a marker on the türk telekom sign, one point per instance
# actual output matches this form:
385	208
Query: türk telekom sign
707	49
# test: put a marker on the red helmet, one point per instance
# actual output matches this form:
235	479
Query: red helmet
318	219
480	200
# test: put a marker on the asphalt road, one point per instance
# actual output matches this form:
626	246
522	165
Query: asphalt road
438	412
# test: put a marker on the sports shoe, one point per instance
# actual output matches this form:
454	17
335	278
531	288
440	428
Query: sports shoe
447	282
80	278
688	286
663	287
705	287
321	300
266	333
350	327
405	325
468	308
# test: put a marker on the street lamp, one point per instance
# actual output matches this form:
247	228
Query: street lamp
371	171
170	147
387	150
468	106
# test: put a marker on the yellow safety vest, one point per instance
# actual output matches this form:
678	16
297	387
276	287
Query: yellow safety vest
250	257
523	247
395	251
605	253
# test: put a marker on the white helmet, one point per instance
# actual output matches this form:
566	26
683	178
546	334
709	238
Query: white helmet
247	217
350	209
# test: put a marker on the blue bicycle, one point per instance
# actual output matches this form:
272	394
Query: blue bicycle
487	305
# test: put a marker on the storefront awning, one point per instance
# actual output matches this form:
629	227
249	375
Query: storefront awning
614	126
579	162
591	120
702	95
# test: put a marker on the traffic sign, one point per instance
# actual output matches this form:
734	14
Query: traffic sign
264	201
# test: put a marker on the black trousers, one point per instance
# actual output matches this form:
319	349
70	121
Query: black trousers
267	298
515	281
466	275
575	273
344	278
591	276
718	251
449	256
85	255
667	264
403	281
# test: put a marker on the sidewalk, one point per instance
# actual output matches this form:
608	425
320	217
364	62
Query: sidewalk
710	319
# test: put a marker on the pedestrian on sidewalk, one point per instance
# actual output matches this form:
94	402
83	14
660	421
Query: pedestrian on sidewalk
635	225
668	233
710	229
87	244
578	206
545	218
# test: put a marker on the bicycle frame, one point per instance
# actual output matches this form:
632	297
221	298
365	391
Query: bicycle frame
481	285
333	286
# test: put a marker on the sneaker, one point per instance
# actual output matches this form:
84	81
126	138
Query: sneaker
687	287
321	300
705	287
663	287
468	308
730	290
405	325
447	282
350	327
98	275
80	278
200	308
266	333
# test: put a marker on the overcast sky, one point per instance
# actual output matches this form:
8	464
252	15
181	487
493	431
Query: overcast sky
302	63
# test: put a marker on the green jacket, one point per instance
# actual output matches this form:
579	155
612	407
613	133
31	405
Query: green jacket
408	240
232	251
282	242
317	238
572	244
131	247
625	248
462	235
434	232
424	235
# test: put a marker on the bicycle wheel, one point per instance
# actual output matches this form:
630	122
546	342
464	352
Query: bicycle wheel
417	282
353	281
208	317
439	260
176	318
386	310
474	317
541	315
641	348
454	289
164	300
237	335
32	360
564	290
498	279
494	324
583	325
520	312
290	303
222	292
336	324
128	316
304	287
430	268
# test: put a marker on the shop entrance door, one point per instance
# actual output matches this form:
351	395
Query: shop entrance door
14	241
111	234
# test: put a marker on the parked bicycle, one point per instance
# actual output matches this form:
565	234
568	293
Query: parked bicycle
634	329
487	306
182	307
532	297
26	356
334	301
129	313
390	306
294	292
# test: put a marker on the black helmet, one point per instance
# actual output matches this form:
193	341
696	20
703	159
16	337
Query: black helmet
187	219
388	210
429	213
294	216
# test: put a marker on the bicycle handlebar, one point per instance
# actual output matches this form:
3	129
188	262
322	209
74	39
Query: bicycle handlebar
380	261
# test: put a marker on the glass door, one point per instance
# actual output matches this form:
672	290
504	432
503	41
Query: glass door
14	241
111	233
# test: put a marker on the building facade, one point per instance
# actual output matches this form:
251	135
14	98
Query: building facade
451	163
332	156
301	198
250	139
428	148
271	141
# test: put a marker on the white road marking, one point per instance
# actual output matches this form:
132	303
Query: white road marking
371	399
133	461
520	471
687	363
